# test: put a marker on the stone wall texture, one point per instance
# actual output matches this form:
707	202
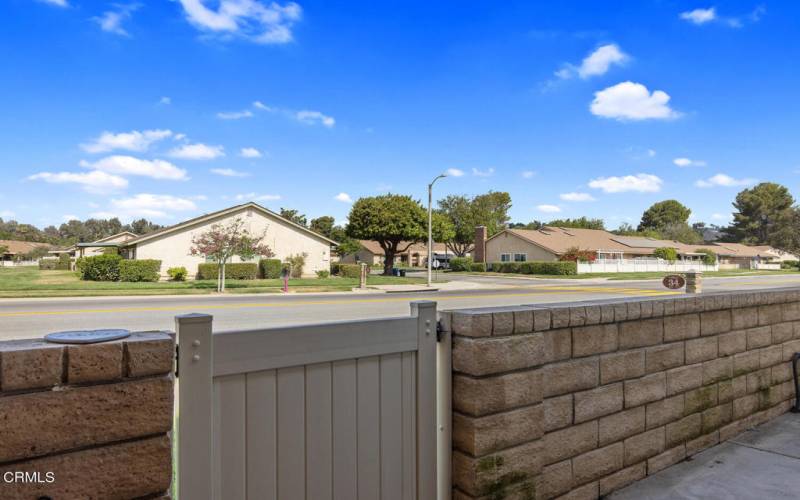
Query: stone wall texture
96	417
578	400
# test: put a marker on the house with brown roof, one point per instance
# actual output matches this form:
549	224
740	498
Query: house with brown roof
93	248
413	255
14	251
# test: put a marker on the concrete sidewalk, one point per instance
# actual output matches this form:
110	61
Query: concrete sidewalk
762	463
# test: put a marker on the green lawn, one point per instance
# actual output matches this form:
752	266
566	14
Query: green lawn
31	282
644	276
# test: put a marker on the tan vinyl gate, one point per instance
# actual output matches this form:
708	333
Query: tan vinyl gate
337	411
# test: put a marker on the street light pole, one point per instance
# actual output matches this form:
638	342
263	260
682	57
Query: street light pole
430	225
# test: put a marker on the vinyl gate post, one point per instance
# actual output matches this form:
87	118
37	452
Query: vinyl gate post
195	410
444	414
427	430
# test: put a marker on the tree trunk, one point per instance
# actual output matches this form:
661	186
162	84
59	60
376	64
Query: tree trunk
219	278
388	263
222	283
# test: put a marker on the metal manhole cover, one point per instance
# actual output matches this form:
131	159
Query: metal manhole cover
86	336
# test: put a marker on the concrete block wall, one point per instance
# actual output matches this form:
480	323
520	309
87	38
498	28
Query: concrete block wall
86	421
578	400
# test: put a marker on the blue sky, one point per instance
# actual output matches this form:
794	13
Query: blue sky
168	109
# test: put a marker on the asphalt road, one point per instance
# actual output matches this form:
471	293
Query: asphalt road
25	318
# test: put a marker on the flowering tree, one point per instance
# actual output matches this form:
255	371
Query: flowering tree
223	241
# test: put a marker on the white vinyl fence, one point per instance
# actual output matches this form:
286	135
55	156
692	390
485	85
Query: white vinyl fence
642	265
344	410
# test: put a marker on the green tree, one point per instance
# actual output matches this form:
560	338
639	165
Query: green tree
532	225
394	221
464	214
763	213
294	216
666	253
326	226
680	232
663	213
578	223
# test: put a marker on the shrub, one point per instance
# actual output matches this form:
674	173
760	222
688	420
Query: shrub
478	267
666	253
64	262
270	268
48	264
790	264
140	270
322	274
575	254
709	256
237	271
460	264
177	273
296	263
103	267
350	270
555	268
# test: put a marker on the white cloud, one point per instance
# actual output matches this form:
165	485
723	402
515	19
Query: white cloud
128	165
548	209
343	197
314	118
229	172
597	63
576	197
257	197
454	172
198	151
152	205
688	162
651	153
640	183
699	16
632	101
57	3
528	174
130	141
94	182
166	101
6	213
111	20
235	115
249	153
724	180
263	107
253	20
483	173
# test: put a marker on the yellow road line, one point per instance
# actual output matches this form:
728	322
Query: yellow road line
245	305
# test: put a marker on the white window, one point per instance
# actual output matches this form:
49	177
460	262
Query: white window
505	257
520	257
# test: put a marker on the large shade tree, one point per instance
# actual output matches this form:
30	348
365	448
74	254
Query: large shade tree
762	213
578	223
664	213
394	221
326	226
464	214
221	242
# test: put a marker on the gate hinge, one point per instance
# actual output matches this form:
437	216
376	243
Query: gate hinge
439	331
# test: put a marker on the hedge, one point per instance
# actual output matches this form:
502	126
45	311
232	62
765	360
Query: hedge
350	270
461	264
177	273
270	268
559	268
104	267
140	270
64	262
790	264
478	267
48	264
237	271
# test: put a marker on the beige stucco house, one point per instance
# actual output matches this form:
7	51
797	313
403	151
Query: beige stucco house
96	247
172	245
414	255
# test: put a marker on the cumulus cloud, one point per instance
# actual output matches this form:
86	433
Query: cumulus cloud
688	162
250	153
128	165
111	20
454	172
343	197
93	182
699	16
134	140
629	101
483	173
229	172
724	180
254	20
548	209
595	64
152	205
235	115
314	118
198	151
576	197
263	107
640	183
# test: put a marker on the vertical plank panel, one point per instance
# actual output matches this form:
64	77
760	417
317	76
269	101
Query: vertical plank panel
230	438
426	399
319	453
262	455
345	430
369	431
391	426
291	433
409	431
